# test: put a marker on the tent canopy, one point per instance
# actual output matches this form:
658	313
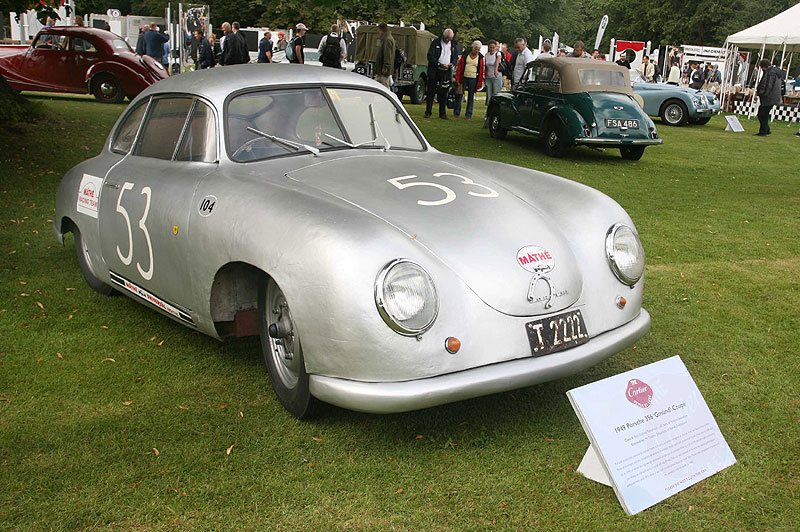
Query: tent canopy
783	28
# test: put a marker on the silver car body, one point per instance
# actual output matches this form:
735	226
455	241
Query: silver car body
324	226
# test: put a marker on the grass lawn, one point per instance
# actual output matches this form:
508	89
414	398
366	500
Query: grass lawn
114	417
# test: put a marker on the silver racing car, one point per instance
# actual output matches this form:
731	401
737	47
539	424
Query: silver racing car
303	205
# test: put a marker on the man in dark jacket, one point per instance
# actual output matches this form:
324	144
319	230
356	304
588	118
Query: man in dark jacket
769	94
234	49
441	59
384	63
205	55
265	48
140	41
154	42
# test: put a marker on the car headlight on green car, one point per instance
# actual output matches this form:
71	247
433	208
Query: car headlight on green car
406	297
625	254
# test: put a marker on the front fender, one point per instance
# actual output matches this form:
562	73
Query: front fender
509	114
133	80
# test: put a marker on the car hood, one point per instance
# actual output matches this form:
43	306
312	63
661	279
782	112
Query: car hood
489	237
663	87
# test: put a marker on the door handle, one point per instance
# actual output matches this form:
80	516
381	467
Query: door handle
112	185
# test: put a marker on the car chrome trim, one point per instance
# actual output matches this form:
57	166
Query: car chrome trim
397	327
393	397
618	142
612	231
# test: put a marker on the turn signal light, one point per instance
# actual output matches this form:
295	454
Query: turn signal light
452	345
621	302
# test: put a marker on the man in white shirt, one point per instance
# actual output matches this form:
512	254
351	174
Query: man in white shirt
333	58
524	56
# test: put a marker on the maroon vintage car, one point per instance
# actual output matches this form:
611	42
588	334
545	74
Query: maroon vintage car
80	60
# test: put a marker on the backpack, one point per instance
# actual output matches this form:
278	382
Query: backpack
290	53
505	66
331	53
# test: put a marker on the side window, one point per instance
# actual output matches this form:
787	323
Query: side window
549	79
163	127
82	45
126	133
532	74
49	41
200	139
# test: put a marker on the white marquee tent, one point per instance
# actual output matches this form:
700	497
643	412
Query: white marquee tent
779	33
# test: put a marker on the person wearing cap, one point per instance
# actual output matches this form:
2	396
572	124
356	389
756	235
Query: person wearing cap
469	75
384	62
282	42
298	43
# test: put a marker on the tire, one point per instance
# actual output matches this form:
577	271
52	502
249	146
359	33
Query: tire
555	143
85	262
495	130
107	89
700	121
631	153
283	356
417	92
674	113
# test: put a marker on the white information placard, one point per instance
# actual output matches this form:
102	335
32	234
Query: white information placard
651	432
733	124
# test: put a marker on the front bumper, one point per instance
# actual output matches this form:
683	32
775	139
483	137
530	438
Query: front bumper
391	397
618	142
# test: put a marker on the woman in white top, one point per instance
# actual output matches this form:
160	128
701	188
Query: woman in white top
493	77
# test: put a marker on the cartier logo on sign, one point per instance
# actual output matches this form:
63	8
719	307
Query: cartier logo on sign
639	393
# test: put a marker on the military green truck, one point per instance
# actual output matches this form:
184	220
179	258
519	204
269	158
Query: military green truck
413	73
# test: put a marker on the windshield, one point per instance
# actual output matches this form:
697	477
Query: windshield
271	123
119	44
600	77
636	77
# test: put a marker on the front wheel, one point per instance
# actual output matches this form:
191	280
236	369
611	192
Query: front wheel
631	153
555	142
87	269
700	121
282	351
674	113
107	89
496	131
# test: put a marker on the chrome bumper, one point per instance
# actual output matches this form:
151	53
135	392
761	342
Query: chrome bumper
618	142
391	397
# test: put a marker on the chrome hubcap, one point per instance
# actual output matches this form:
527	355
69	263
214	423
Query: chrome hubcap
674	113
285	349
107	89
553	139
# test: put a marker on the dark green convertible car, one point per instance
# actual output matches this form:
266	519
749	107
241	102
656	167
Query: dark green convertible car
568	101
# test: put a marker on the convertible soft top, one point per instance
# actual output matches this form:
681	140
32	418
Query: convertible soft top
597	80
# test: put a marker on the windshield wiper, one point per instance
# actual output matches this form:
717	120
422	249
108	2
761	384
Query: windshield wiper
350	144
285	142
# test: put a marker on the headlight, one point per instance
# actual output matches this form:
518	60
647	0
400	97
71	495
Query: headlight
406	297
695	101
625	254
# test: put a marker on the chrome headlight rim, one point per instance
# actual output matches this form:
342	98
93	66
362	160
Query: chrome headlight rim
393	324
610	255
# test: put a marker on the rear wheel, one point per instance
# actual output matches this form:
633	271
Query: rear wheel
631	153
674	113
700	121
107	89
418	91
496	131
85	262
555	142
282	350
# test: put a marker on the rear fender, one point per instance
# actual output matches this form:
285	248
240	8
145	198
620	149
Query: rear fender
133	82
571	119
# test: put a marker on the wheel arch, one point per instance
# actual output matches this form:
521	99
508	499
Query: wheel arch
233	299
672	99
132	82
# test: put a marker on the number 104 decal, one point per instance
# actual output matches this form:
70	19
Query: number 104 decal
450	195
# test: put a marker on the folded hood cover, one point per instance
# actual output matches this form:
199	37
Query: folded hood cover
506	249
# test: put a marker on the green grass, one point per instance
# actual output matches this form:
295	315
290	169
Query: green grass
718	214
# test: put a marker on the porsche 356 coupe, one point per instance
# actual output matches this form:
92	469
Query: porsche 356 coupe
303	205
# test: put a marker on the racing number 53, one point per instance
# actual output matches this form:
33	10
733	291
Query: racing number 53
450	194
126	259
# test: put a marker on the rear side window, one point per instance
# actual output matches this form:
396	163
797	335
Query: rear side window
126	133
200	140
82	45
163	127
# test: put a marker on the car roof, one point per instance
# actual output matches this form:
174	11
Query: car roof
568	68
215	84
79	30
